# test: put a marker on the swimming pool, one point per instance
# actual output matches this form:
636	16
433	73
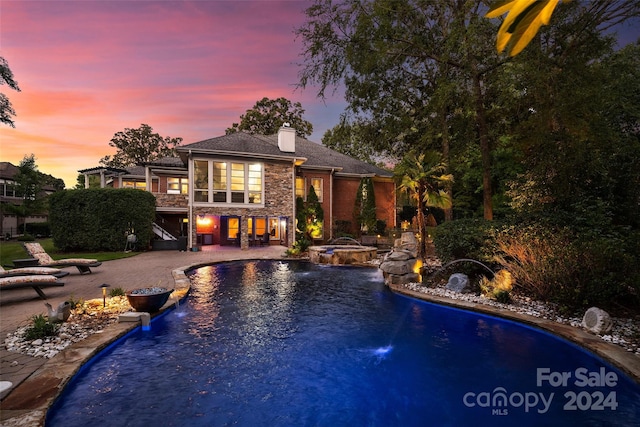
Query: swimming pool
270	343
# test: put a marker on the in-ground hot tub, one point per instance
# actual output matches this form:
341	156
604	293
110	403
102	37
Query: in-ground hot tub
341	254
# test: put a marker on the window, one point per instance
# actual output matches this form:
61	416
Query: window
237	182
261	227
201	181
316	183
255	183
130	183
233	228
7	188
177	185
274	228
300	187
228	182
220	182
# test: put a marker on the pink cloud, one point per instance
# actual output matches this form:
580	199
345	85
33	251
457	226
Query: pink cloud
190	69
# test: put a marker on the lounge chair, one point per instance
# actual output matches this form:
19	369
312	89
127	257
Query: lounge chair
35	250
31	271
36	281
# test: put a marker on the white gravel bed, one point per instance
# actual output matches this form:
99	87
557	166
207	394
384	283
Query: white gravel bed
90	318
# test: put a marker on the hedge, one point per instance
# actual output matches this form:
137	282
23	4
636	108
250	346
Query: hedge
98	219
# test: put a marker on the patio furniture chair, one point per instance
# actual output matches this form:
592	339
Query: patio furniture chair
30	271
36	251
35	281
265	239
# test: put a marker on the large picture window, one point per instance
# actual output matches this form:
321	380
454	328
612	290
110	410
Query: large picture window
177	185
228	182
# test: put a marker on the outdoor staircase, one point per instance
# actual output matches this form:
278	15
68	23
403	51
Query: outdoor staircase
162	233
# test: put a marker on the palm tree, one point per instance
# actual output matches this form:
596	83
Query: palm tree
423	177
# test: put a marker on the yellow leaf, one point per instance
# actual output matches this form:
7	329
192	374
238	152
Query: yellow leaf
529	26
522	23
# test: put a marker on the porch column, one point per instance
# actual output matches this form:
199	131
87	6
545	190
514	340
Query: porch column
244	233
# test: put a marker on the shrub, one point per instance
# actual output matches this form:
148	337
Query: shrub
38	228
342	228
75	303
41	328
498	288
117	292
26	238
574	270
97	219
465	238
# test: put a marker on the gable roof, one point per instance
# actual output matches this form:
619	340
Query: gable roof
308	154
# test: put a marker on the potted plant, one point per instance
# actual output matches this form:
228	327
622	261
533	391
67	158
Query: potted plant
148	299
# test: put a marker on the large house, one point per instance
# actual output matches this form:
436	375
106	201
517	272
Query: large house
241	189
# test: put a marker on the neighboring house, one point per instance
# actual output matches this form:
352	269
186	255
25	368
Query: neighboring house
9	221
240	189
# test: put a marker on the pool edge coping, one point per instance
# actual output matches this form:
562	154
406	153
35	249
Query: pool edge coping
29	410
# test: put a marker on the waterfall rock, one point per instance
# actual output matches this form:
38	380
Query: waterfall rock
597	321
398	267
399	255
408	242
459	282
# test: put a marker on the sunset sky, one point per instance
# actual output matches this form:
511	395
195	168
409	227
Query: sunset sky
89	69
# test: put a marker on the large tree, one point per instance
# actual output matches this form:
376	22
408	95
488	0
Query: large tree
268	115
6	109
136	146
409	67
426	75
350	137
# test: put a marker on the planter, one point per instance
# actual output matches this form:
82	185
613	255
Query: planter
148	299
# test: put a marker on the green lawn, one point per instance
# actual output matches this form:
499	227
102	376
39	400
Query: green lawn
13	250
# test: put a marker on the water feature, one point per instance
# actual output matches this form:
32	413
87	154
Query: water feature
342	251
264	343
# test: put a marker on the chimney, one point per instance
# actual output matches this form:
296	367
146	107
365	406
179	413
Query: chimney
287	138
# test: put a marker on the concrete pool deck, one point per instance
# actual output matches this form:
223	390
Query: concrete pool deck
35	382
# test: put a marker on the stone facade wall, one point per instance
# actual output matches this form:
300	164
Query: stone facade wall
172	200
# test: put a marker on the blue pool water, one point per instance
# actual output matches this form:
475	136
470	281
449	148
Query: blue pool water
269	343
